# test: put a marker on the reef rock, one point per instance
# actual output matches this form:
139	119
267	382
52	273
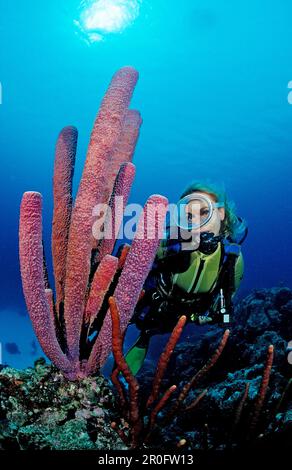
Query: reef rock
262	318
40	409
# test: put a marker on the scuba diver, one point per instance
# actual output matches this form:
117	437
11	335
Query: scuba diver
195	273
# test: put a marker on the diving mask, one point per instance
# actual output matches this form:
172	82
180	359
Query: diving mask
194	211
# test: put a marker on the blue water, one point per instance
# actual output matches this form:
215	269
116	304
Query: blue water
213	93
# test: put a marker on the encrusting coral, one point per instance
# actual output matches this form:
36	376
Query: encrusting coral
84	267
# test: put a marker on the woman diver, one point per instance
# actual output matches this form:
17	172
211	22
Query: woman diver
197	269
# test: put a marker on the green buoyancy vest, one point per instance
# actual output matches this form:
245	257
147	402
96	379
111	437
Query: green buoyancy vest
199	278
203	271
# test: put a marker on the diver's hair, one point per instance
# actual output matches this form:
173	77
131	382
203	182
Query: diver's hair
230	222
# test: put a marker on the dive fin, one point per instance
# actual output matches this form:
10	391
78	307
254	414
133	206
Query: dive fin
136	355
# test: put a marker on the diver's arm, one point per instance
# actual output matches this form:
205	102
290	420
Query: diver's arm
177	241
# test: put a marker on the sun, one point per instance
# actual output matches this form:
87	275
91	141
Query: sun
102	17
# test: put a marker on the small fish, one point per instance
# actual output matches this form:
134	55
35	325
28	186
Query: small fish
12	348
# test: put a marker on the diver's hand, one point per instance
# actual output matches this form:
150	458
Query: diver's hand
181	240
202	320
208	242
191	246
189	241
205	242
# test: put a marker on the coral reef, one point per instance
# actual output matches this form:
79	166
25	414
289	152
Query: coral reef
246	398
84	268
238	386
40	409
